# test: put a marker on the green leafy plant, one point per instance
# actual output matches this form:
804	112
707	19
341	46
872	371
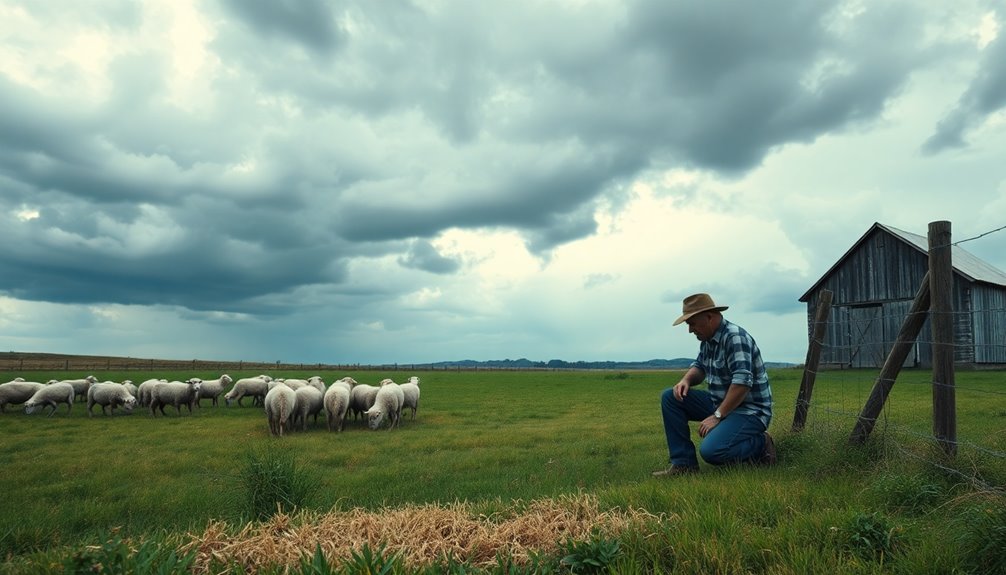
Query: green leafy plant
869	536
273	482
591	556
115	556
367	561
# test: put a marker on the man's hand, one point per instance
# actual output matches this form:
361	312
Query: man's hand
680	390
707	425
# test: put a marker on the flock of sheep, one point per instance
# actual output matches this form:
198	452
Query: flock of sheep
287	402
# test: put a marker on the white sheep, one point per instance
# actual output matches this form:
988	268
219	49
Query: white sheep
400	395
145	389
17	391
309	402
256	387
51	395
212	388
292	383
387	405
336	402
111	394
132	389
411	392
80	386
362	399
176	393
317	382
280	403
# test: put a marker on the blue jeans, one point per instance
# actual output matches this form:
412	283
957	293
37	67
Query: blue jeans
735	439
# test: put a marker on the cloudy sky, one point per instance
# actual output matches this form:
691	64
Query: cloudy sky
396	181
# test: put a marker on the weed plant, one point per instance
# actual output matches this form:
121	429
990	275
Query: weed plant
496	437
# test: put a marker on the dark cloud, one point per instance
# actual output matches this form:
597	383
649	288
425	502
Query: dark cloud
424	256
310	23
985	95
413	122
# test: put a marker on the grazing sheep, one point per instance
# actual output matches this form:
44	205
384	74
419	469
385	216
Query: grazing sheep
109	393
411	392
293	384
17	391
336	402
362	399
398	393
256	387
317	382
176	393
280	403
145	389
132	389
80	386
309	402
387	405
212	388
51	395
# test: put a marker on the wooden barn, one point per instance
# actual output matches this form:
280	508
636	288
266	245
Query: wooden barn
874	284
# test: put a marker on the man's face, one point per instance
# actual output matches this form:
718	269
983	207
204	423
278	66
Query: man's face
702	325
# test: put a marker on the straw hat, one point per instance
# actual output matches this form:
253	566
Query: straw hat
697	303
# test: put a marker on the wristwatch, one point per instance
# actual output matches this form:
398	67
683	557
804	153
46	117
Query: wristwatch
717	414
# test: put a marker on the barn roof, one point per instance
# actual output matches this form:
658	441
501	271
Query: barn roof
964	263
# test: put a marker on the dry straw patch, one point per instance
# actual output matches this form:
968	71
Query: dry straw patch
421	534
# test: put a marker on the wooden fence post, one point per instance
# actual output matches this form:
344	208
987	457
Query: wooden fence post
813	359
910	329
942	285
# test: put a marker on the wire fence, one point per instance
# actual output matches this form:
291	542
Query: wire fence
906	422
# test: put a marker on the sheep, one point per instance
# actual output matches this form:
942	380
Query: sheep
80	386
336	402
411	392
109	393
293	384
176	393
256	387
398	393
51	395
317	382
387	405
212	388
280	403
145	389
362	399
17	391
309	402
130	387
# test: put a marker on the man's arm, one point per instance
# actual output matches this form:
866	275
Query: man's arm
694	376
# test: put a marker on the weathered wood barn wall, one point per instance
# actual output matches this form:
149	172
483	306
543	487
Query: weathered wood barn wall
873	286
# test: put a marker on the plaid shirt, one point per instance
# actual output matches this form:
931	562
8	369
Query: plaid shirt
731	356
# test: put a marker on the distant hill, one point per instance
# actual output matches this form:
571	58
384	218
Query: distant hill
524	363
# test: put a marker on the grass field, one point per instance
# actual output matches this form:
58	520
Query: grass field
490	438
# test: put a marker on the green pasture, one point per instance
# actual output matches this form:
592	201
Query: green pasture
497	436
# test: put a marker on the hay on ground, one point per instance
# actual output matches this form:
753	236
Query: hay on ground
420	534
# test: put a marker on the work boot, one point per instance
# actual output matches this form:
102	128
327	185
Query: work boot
676	470
768	457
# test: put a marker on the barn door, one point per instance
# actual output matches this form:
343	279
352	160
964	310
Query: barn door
866	334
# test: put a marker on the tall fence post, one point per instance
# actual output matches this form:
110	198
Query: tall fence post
941	284
910	329
813	359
